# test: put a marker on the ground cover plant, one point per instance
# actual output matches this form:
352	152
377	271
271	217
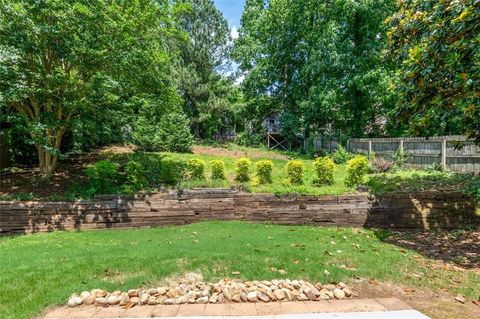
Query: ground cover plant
65	262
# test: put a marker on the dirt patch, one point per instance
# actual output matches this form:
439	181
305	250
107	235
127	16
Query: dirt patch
218	151
23	181
435	304
460	247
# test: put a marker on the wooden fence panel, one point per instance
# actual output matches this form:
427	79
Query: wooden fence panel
451	152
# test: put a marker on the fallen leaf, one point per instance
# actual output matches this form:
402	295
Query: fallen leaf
236	273
460	298
326	272
273	269
296	261
282	271
129	305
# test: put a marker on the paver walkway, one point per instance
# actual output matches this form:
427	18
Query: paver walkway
378	308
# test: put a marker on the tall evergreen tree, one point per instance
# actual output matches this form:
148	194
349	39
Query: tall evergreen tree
210	97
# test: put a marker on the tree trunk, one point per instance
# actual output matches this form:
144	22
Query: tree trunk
47	162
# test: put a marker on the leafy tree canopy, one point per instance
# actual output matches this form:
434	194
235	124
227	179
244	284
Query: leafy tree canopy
60	59
436	47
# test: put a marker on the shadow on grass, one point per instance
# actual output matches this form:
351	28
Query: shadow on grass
458	247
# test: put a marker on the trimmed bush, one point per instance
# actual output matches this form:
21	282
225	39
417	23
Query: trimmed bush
324	168
242	167
264	172
218	169
171	171
136	179
196	168
357	168
341	155
103	176
295	170
170	134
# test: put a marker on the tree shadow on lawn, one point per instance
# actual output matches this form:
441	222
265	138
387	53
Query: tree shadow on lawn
457	247
440	225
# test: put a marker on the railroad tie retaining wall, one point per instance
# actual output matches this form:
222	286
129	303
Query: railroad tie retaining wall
425	210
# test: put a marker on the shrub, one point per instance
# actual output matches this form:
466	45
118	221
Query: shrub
324	168
170	134
171	171
218	169
136	179
380	165
341	155
399	158
357	168
103	176
264	172
242	166
196	168
295	170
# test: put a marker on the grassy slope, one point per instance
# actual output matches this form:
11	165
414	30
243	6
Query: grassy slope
279	185
43	269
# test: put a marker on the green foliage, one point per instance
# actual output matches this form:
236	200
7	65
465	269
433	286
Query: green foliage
341	155
170	134
399	158
357	169
171	171
435	46
136	179
75	69
196	168
210	99
242	167
295	170
264	172
324	168
103	177
218	169
297	58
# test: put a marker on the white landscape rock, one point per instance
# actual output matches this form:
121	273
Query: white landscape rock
192	290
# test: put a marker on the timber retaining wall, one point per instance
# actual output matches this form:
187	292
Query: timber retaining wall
425	210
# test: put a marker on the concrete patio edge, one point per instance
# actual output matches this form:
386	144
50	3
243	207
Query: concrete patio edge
268	310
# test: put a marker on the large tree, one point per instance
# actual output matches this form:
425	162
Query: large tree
209	95
317	62
62	58
436	45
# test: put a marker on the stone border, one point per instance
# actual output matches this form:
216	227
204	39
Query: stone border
423	210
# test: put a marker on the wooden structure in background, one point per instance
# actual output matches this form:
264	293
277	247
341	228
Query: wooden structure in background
454	153
273	126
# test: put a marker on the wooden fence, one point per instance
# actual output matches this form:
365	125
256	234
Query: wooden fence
451	152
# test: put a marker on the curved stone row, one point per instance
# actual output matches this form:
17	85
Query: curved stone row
221	292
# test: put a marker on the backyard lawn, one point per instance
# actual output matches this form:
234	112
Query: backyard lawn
44	269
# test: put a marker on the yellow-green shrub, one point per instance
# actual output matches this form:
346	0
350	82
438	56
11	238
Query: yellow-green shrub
242	166
324	168
295	170
218	169
264	172
357	168
196	168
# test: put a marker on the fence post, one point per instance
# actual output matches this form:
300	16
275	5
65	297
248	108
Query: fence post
400	147
444	154
369	148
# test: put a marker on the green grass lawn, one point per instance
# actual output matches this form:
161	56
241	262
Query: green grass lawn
44	269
